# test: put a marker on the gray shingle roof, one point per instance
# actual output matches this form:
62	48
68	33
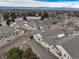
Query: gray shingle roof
31	23
20	22
6	31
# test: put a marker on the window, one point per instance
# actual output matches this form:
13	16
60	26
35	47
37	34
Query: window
65	55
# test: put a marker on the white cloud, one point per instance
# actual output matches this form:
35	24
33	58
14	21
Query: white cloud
32	3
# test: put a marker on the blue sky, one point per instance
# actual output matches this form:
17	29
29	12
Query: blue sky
58	0
47	0
41	3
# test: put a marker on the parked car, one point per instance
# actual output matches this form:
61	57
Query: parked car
60	35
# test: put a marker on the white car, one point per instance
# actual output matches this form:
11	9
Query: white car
60	35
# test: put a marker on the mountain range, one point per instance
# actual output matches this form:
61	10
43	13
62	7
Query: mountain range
36	8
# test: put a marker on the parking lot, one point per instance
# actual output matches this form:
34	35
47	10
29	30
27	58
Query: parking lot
70	42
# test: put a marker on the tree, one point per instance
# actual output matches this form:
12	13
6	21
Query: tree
13	16
8	22
29	54
40	14
6	16
0	24
17	53
44	15
24	17
14	53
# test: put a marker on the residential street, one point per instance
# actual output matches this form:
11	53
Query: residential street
32	43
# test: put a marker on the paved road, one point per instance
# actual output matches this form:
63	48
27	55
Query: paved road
36	47
72	47
17	42
40	50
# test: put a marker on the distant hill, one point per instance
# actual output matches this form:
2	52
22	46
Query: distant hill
35	8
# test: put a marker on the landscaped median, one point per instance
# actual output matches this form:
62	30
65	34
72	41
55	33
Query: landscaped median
20	53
